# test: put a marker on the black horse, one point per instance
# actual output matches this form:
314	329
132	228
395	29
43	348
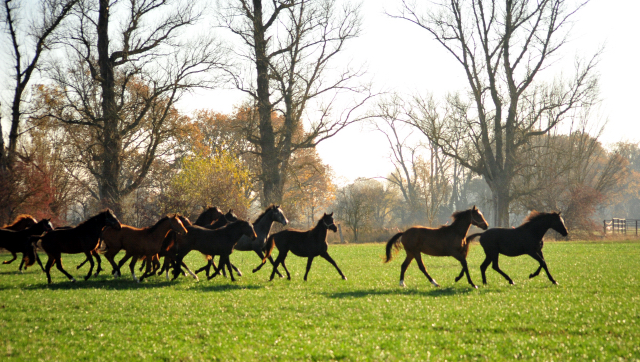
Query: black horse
262	226
83	238
309	244
21	242
525	239
212	242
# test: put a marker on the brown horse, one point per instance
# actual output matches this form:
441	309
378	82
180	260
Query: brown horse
20	223
21	242
447	240
138	242
83	238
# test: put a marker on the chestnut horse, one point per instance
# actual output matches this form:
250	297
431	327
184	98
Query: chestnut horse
525	239
309	244
447	240
138	242
83	238
20	223
21	242
212	242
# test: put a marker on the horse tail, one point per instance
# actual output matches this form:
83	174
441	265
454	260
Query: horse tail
391	243
268	247
472	236
102	247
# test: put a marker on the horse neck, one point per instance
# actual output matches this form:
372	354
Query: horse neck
162	229
263	226
321	230
538	227
460	225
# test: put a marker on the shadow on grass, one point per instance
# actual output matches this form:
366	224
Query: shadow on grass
225	287
436	292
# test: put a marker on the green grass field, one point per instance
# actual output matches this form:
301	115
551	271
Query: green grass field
592	315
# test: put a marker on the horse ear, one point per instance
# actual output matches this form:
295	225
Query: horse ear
331	214
559	212
474	207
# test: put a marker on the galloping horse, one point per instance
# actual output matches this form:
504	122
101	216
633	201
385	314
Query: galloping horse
262	227
525	239
309	244
208	216
21	242
447	240
83	238
212	242
138	242
20	223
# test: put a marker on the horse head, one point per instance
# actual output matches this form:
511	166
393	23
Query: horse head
558	224
327	219
177	225
230	216
247	229
278	215
110	219
478	219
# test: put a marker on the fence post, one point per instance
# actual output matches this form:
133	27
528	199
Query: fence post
340	231
604	226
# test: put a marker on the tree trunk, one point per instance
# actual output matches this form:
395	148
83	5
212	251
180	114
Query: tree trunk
111	142
501	199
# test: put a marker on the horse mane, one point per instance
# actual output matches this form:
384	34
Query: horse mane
534	216
157	224
18	219
272	206
456	215
92	218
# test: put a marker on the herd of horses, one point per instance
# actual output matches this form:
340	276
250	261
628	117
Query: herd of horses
215	233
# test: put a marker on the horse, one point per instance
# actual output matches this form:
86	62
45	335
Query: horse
138	242
21	242
83	238
169	252
309	244
262	226
208	216
226	219
212	242
525	239
20	223
446	240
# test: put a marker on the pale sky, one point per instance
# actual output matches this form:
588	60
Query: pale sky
404	58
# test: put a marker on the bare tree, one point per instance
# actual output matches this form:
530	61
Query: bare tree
130	82
502	47
291	45
29	42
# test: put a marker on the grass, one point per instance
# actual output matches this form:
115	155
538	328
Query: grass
592	315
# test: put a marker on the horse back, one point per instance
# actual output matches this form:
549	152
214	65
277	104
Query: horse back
509	242
70	241
431	241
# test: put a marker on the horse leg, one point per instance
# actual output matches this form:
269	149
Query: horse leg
82	264
496	267
404	267
132	267
206	267
124	259
284	265
309	261
280	259
47	268
21	264
535	273
59	266
110	255
424	270
91	263
148	267
224	261
143	264
483	268
98	261
540	258
10	261
465	269
39	261
328	258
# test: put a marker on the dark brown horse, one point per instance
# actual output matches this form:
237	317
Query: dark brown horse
83	238
447	240
22	242
307	244
525	239
212	242
138	242
21	222
208	216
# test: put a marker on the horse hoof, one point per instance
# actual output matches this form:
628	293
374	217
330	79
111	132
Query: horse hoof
255	270
344	278
556	283
73	280
531	276
402	283
239	274
475	286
